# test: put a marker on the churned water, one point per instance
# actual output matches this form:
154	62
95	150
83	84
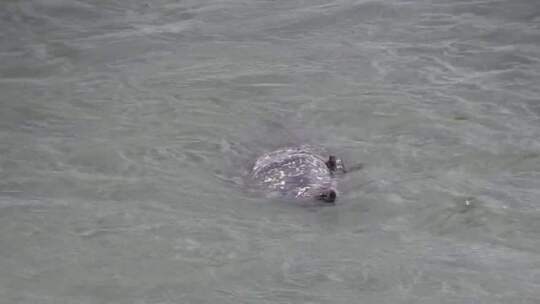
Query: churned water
126	128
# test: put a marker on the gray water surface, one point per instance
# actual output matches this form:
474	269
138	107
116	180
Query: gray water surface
126	128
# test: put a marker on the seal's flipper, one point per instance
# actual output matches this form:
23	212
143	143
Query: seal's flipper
331	163
335	165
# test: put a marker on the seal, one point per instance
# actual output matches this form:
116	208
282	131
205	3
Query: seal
301	173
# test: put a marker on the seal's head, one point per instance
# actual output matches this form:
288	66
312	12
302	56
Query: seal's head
328	196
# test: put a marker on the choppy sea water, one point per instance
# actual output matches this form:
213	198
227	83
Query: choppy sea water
126	127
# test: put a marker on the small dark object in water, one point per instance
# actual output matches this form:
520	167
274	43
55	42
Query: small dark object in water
331	163
328	196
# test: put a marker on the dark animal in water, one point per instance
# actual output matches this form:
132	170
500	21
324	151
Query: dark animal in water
302	172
